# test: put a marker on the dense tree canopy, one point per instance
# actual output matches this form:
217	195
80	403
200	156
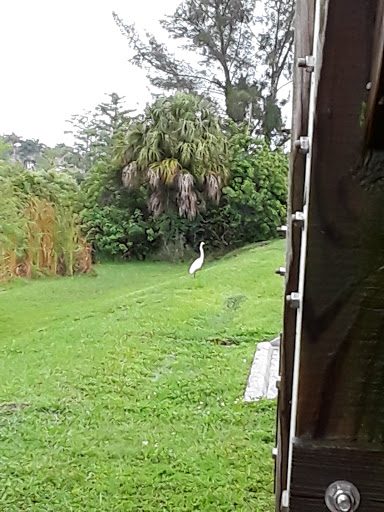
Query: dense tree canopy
237	63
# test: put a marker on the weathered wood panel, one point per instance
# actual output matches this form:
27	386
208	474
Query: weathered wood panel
317	466
374	115
341	375
341	392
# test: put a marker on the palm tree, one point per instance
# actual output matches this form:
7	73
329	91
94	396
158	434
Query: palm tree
180	149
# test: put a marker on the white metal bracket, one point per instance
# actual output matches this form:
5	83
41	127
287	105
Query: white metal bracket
299	218
302	145
285	500
307	62
294	300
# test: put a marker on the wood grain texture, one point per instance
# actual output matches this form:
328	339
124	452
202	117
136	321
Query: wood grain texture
341	391
373	114
317	466
341	379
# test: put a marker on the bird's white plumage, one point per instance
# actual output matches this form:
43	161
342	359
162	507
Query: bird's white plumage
197	264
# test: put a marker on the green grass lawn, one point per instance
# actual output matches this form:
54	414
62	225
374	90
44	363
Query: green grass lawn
123	392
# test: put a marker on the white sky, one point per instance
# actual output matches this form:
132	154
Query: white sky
60	57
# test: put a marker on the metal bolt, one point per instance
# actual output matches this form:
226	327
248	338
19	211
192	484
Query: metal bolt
302	144
294	300
342	496
280	271
307	62
344	502
274	453
278	382
298	218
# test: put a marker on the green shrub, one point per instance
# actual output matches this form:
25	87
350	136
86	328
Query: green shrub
253	204
118	233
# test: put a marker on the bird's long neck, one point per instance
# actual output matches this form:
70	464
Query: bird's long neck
201	251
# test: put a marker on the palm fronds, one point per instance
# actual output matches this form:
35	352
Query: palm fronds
156	203
130	175
187	198
167	170
213	187
177	137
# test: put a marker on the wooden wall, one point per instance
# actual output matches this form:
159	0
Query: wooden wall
341	377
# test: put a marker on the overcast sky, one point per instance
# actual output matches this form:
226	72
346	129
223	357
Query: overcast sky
60	57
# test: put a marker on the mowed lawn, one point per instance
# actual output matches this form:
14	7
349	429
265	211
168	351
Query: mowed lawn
123	391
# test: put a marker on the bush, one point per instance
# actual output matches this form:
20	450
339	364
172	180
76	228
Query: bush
253	204
116	220
118	233
41	226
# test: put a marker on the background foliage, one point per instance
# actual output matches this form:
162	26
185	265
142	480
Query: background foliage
156	183
251	207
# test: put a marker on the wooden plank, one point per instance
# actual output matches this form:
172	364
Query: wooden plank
373	114
341	378
341	392
304	17
315	466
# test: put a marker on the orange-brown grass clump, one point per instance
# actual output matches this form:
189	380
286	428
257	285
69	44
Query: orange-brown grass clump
40	231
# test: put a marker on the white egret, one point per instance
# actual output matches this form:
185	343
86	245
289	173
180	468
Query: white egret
197	264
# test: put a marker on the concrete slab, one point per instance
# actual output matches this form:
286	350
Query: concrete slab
264	372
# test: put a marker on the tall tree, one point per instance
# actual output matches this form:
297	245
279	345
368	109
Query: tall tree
180	150
94	132
275	51
23	150
232	55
